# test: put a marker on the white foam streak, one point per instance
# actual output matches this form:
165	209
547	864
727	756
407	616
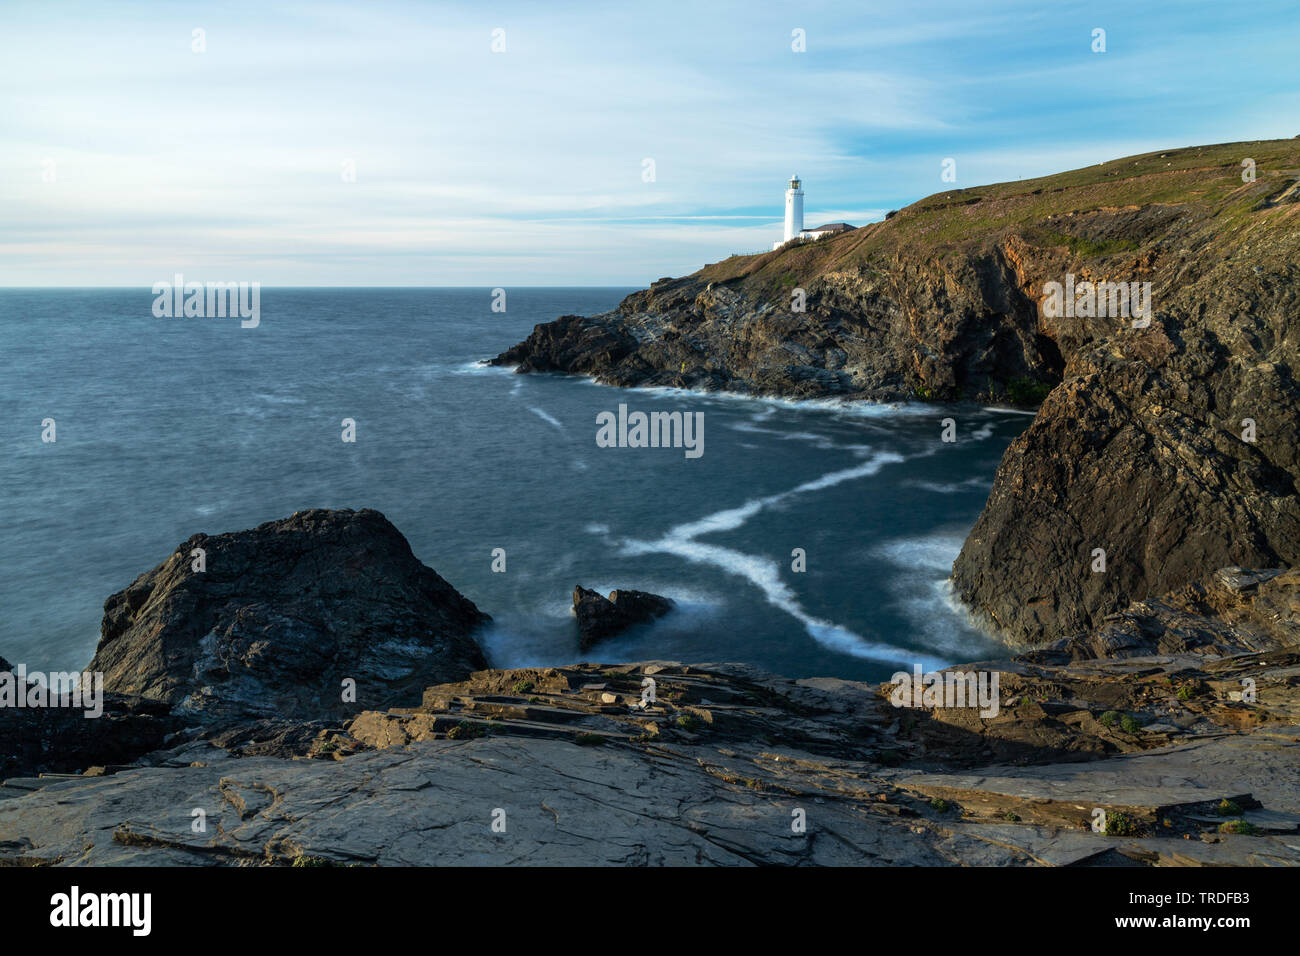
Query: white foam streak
1010	411
546	417
765	573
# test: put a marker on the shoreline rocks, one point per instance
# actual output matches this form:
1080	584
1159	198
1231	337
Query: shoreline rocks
1186	768
1170	711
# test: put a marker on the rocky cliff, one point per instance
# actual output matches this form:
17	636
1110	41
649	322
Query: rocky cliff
1174	447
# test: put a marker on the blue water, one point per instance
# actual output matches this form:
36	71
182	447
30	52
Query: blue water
167	427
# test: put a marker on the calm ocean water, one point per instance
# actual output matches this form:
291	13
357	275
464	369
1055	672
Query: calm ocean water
167	427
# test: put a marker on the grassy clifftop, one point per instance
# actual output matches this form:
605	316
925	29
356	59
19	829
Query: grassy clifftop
1203	183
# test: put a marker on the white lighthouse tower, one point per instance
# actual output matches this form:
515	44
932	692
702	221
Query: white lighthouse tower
793	211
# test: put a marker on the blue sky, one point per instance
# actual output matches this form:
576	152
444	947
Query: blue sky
525	167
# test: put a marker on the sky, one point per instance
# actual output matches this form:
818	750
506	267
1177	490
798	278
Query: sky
601	143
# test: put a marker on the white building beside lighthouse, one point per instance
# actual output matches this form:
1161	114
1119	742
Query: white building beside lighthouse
794	218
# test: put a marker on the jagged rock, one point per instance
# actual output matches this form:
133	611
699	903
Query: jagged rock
1139	450
282	615
72	736
600	617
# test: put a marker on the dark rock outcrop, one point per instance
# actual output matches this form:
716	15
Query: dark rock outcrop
1173	448
600	617
64	740
282	615
569	344
66	733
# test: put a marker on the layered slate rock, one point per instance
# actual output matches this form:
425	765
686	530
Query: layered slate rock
1174	448
1235	610
600	617
282	615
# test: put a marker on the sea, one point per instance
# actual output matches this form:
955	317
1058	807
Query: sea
809	538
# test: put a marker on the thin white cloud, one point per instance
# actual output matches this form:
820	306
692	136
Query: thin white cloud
470	163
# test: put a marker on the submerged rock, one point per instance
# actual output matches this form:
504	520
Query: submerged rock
600	617
274	620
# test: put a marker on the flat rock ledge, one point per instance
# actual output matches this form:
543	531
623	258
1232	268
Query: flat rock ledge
1189	755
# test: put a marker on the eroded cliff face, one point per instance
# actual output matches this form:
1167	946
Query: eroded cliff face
1173	447
1173	712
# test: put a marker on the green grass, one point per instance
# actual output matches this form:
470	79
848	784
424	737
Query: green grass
1228	808
688	722
1027	391
466	731
1201	182
1240	827
1126	722
1120	824
523	687
940	805
1086	248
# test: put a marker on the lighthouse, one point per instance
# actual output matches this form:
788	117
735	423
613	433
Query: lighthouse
793	209
794	229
